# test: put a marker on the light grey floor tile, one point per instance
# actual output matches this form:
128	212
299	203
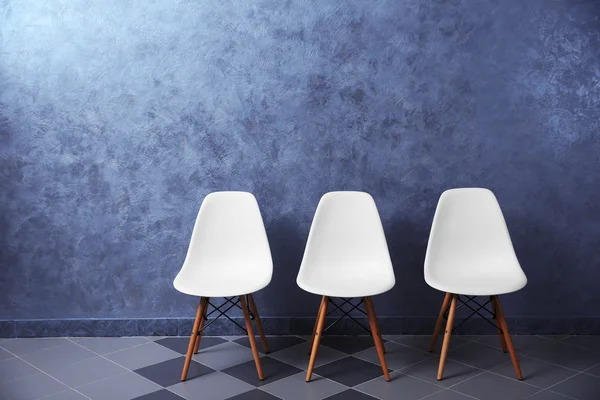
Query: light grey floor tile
214	386
535	372
295	388
478	355
298	356
121	387
107	345
86	371
567	356
555	338
410	388
142	356
421	342
5	355
548	395
350	371
273	370
67	395
21	347
397	356
163	394
453	372
523	343
588	342
447	395
168	373
31	387
489	386
224	355
15	368
64	354
582	387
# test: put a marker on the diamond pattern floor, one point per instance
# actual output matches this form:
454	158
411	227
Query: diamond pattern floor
347	368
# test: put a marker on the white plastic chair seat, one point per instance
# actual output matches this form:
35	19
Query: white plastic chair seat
229	252
346	253
470	251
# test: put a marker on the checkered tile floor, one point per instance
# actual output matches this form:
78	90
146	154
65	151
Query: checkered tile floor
555	367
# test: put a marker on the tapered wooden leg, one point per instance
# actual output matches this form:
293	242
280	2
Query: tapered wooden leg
259	327
202	322
377	336
440	321
251	338
507	338
496	317
312	339
195	328
317	336
447	335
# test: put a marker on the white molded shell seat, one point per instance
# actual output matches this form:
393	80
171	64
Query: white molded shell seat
229	252
469	250
346	254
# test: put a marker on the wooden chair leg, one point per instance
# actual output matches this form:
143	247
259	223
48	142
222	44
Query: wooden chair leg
202	322
377	336
195	328
447	335
312	339
251	338
507	338
259	327
496	317
317	336
440	321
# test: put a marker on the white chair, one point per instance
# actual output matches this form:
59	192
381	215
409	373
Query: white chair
470	254
346	256
228	256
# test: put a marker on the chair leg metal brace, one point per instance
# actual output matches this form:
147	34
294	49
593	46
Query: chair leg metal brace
248	307
449	307
320	328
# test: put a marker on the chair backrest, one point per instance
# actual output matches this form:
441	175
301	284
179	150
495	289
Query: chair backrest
468	235
347	234
229	235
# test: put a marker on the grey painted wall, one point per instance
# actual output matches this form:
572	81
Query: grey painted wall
118	117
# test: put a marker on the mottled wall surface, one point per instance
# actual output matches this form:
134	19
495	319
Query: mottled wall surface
118	117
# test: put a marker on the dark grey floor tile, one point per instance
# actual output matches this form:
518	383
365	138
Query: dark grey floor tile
31	387
141	356
102	345
168	372
588	342
273	370
555	338
224	355
523	343
594	371
216	385
67	353
548	395
160	395
535	372
582	387
5	355
298	355
255	394
421	342
84	372
566	356
295	388
15	368
349	371
122	387
478	355
489	386
447	395
180	344
66	395
397	356
348	344
275	343
21	347
454	372
350	394
400	385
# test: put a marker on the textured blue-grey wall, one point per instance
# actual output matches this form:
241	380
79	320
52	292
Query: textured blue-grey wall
118	117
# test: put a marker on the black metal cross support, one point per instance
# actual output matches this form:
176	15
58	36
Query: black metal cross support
222	313
475	311
346	313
